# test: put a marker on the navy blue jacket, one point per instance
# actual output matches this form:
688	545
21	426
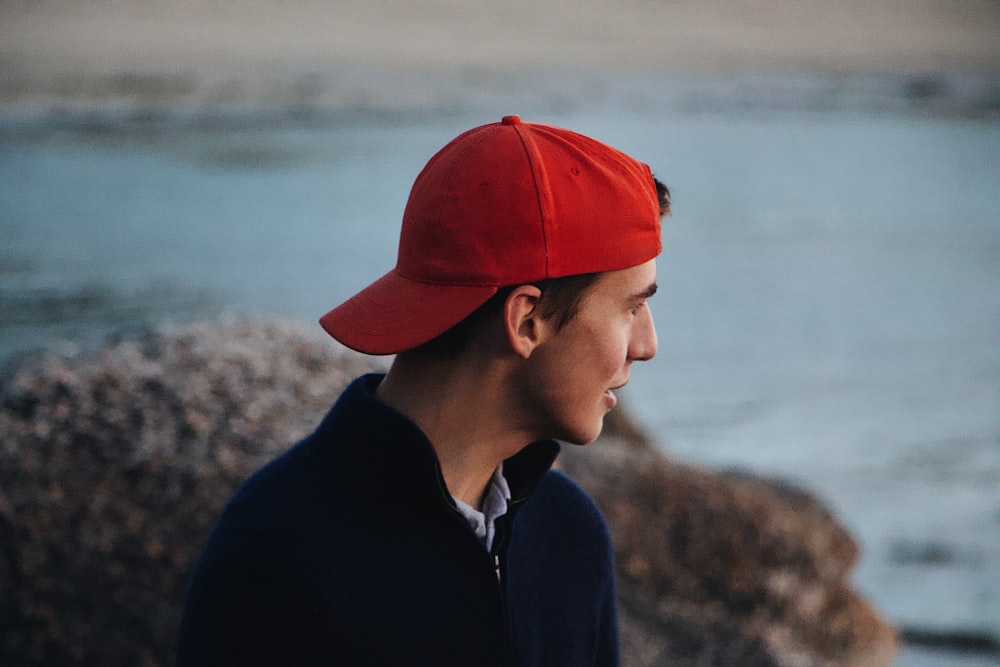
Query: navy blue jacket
348	550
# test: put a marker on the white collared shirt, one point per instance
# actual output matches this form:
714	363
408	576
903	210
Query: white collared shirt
494	507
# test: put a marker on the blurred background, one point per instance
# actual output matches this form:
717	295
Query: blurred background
829	307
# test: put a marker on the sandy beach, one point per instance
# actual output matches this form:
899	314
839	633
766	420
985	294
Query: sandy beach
408	53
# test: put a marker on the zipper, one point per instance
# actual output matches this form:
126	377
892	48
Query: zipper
499	544
499	540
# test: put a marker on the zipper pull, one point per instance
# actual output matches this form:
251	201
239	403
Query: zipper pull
496	566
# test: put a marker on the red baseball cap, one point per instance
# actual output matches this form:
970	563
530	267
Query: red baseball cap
507	203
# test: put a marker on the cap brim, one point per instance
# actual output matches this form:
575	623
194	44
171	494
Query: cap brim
395	314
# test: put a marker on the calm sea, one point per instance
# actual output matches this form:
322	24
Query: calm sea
829	307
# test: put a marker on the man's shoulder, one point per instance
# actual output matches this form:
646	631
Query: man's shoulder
561	486
294	482
311	465
279	512
563	522
560	497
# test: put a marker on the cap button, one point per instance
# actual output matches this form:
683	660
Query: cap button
511	120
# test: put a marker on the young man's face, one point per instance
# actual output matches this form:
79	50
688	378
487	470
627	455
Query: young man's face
573	373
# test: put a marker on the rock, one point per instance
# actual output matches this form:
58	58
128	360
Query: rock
724	568
114	466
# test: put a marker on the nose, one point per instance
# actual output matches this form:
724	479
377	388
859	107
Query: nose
643	343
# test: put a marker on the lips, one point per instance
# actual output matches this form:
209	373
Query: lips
618	386
610	395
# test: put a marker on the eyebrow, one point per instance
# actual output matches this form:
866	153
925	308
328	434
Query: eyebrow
646	293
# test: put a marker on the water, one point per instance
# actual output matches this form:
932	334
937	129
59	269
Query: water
829	307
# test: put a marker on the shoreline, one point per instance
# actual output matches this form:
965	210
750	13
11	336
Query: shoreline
198	56
133	99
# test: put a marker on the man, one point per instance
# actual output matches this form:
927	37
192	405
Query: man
420	524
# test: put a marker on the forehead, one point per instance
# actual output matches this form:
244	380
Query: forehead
634	282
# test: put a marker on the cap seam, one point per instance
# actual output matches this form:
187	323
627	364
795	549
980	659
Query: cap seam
436	283
538	195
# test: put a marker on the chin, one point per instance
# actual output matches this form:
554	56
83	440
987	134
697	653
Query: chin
583	436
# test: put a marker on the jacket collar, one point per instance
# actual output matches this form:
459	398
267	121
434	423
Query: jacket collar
387	454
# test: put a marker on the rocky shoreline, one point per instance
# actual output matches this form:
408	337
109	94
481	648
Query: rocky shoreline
114	465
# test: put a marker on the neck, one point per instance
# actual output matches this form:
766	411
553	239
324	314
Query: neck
463	412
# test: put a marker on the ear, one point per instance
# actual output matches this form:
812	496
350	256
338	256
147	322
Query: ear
521	320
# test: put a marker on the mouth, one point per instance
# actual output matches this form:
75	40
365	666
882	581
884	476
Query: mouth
610	398
610	393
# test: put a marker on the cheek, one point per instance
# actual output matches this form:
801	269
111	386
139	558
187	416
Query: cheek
596	369
588	361
610	350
